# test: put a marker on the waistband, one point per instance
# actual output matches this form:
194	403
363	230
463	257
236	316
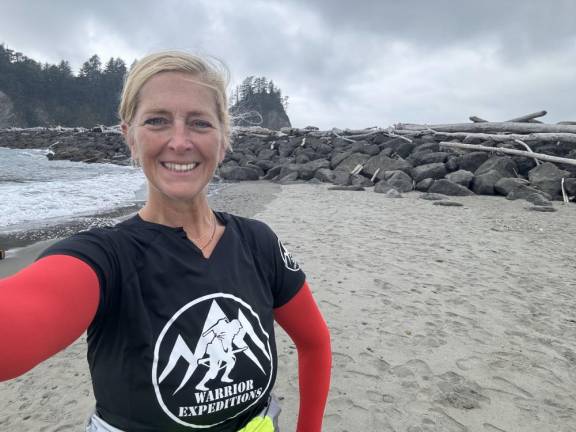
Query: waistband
265	421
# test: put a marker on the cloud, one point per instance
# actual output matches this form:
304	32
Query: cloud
342	63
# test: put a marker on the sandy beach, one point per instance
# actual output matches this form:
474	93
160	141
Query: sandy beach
447	319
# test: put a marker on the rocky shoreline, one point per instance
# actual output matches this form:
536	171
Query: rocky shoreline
394	161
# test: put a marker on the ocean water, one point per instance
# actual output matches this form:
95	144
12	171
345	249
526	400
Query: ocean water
36	191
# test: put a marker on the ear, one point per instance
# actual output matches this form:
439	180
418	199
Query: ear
223	148
128	138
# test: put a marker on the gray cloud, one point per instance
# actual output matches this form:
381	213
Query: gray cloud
345	64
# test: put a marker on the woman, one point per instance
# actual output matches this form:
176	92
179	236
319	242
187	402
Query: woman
179	301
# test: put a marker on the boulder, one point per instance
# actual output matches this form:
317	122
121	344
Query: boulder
341	178
446	187
425	158
288	178
352	161
325	175
432	171
237	173
506	185
338	157
272	172
384	163
424	185
308	170
547	177
393	193
529	194
382	187
461	177
570	186
484	183
472	161
503	165
401	181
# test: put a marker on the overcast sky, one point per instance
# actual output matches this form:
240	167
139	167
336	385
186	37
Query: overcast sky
346	64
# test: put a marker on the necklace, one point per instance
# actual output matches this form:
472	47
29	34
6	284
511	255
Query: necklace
213	231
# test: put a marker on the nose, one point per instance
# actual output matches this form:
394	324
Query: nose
181	138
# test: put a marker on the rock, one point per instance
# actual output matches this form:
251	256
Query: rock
338	157
266	154
273	172
308	170
506	185
302	158
288	169
428	147
446	187
401	181
346	188
570	186
448	204
503	165
432	171
461	177
484	183
384	163
393	193
288	178
359	180
431	197
352	161
341	178
529	194
237	173
424	185
325	175
425	158
547	177
524	164
382	187
472	161
544	209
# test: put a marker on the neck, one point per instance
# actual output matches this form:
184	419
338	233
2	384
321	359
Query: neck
194	216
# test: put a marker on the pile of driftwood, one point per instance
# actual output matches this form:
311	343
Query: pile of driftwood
521	130
519	159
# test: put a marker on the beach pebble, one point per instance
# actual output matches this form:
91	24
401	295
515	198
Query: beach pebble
448	204
431	197
346	188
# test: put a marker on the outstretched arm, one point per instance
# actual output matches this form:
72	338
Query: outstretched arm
303	322
43	309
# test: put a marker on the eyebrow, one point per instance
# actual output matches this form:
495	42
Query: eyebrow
165	112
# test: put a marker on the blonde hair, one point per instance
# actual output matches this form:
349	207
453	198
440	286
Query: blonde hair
210	72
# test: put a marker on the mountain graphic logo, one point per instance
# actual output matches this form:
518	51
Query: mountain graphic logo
226	367
289	261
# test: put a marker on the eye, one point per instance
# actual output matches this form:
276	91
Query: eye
199	124
156	121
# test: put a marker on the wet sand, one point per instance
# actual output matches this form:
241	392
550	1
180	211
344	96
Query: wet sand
442	318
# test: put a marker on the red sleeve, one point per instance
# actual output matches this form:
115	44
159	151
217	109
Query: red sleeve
303	322
43	309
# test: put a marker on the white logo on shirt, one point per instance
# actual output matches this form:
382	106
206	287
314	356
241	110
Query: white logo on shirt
289	261
206	382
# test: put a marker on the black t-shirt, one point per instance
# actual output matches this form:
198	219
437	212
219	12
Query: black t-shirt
179	341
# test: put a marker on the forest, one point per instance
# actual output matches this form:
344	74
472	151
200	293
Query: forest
42	94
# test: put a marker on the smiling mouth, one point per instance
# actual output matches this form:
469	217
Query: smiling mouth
180	167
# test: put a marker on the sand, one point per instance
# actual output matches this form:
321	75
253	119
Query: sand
442	318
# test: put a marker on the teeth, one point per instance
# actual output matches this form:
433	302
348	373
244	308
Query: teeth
180	167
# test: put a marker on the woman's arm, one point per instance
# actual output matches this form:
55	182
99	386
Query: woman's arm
43	309
303	322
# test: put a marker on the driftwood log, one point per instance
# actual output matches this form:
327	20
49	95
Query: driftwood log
515	152
542	137
488	127
527	117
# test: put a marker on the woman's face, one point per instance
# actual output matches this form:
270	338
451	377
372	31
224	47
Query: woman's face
176	136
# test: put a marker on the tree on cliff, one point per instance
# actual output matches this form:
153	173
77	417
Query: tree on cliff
50	95
258	102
